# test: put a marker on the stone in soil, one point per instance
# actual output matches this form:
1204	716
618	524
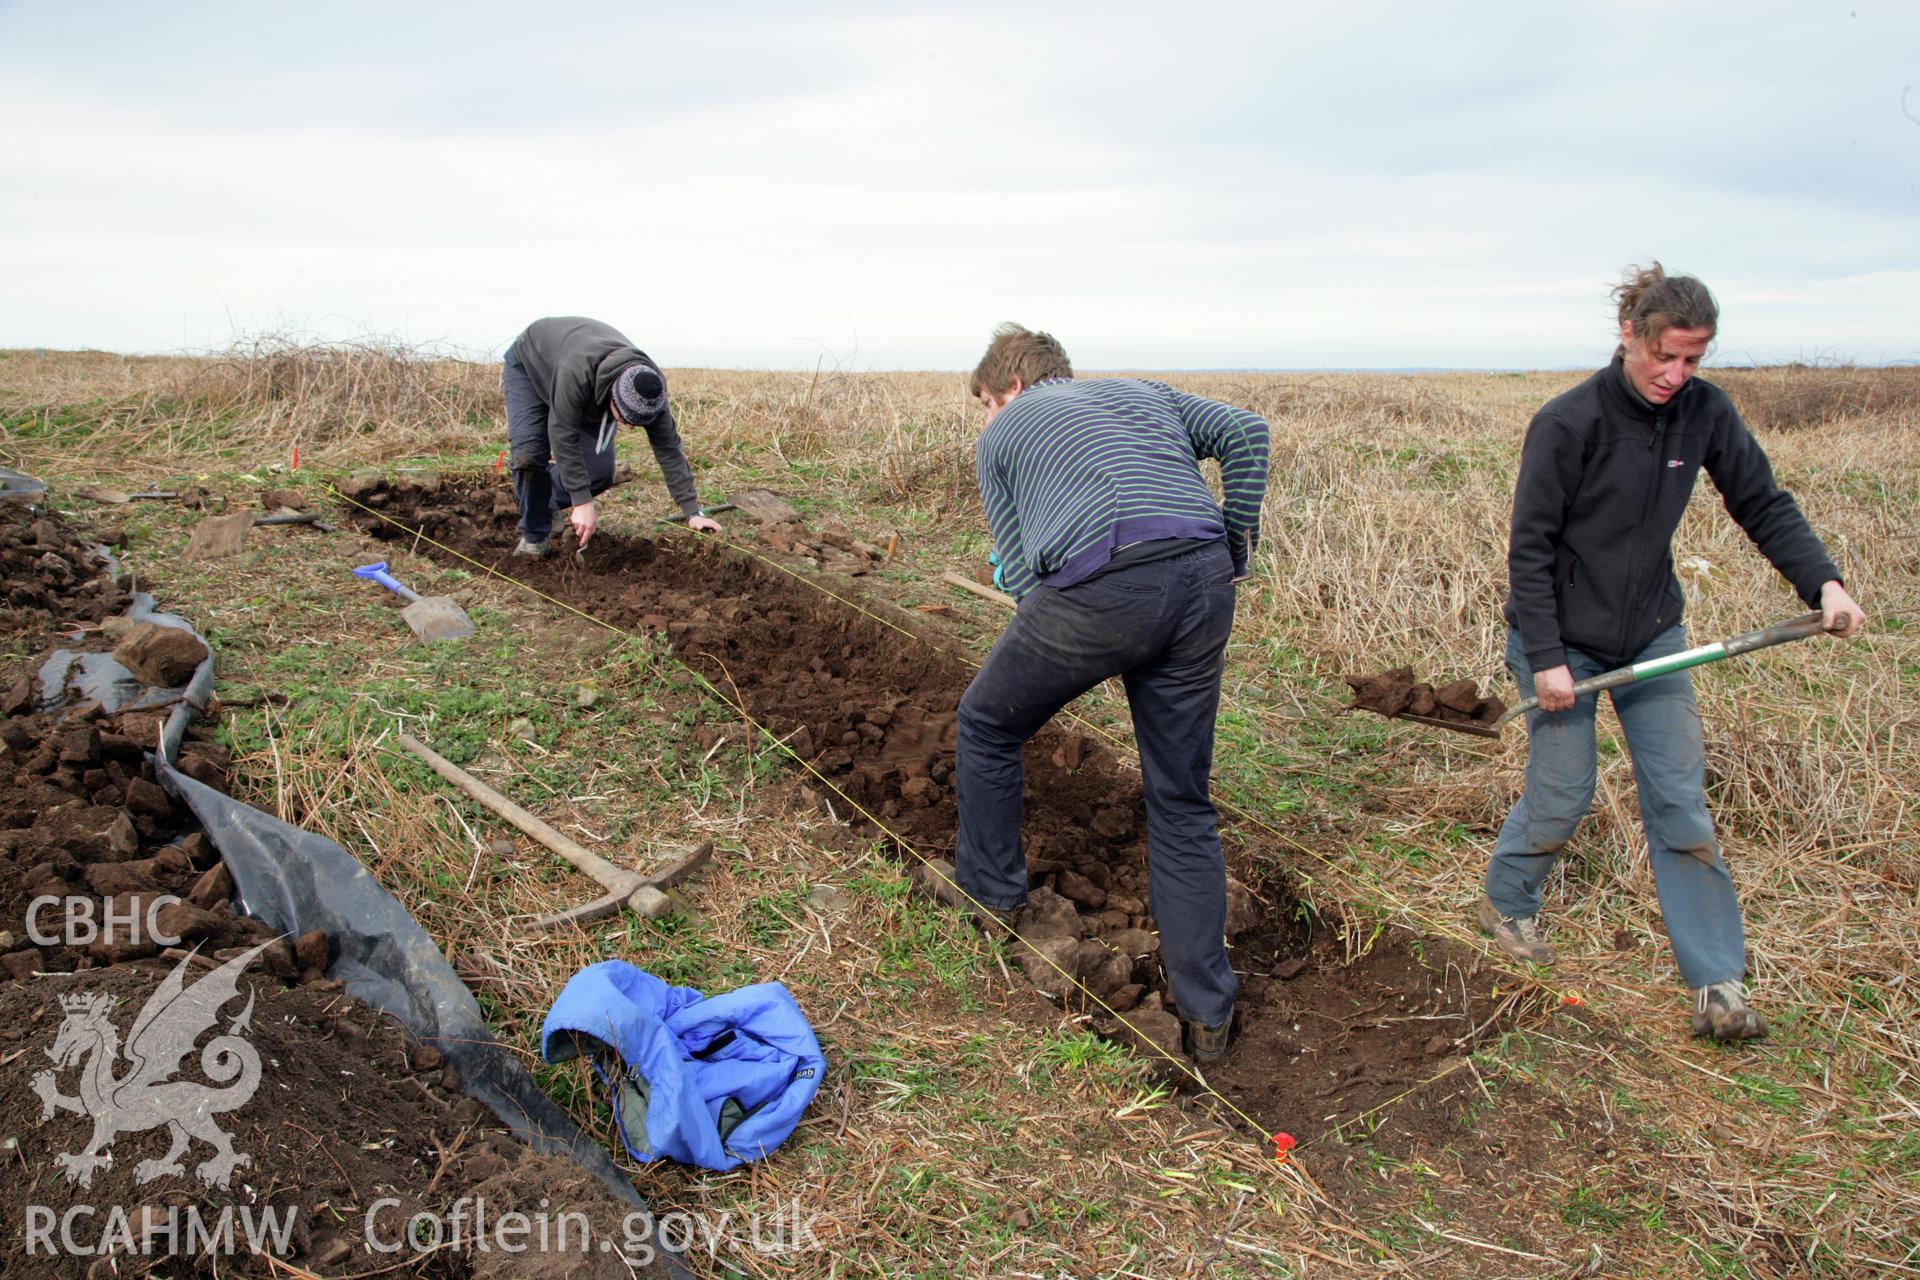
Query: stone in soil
218	536
164	657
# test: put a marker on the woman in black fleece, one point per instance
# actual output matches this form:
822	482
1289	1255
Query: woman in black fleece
1605	475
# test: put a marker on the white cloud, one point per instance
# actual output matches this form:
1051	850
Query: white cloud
1369	186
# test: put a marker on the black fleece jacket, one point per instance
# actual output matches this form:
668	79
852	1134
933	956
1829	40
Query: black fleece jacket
1604	479
572	362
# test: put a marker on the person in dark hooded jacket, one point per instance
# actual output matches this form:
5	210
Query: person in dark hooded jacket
1605	475
571	383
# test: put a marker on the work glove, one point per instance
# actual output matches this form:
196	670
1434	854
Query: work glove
993	558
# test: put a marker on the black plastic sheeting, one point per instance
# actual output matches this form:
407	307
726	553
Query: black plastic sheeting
294	881
15	485
97	677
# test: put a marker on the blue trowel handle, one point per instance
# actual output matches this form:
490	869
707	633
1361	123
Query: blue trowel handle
377	572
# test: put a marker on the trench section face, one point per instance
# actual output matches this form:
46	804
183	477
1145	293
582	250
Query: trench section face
1322	1038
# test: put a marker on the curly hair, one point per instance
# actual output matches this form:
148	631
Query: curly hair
1651	301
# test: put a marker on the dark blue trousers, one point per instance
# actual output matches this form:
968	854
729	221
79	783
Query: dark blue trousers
1162	627
536	481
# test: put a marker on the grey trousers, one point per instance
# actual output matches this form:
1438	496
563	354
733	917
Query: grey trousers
1662	725
536	481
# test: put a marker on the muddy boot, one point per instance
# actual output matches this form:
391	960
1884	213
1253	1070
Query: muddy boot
532	549
1722	1011
936	879
1516	936
1205	1043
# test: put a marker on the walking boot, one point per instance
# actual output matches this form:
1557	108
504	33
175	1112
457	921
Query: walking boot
1205	1043
936	879
1721	1011
532	548
1517	936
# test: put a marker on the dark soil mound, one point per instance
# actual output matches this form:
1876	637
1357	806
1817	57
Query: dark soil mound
346	1119
1396	693
86	824
1323	1037
49	575
348	1134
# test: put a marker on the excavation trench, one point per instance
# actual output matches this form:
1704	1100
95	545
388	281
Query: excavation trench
1325	1037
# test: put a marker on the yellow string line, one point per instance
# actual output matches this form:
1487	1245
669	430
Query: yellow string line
1125	749
420	536
1555	994
1403	905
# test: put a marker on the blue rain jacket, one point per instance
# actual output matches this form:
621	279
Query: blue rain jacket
709	1082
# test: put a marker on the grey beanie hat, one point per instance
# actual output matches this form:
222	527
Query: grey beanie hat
639	393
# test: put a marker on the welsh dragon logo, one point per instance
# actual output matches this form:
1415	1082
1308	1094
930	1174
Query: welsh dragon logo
145	1096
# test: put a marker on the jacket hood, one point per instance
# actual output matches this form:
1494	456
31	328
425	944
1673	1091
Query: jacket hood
608	371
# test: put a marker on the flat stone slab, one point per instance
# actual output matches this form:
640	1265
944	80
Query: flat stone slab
765	506
218	536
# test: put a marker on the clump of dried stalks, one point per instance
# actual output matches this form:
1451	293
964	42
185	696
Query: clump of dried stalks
900	439
1789	396
314	394
254	402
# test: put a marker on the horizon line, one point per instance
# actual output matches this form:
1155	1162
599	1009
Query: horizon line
1509	370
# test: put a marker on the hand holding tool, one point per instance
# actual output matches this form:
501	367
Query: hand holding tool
1800	628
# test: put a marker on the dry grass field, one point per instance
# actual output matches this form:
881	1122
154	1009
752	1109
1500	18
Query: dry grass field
962	1130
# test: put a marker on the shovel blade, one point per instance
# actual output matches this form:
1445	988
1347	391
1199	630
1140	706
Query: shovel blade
1458	726
438	618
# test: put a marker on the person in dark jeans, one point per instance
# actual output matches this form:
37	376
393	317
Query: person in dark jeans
1605	475
571	383
1124	565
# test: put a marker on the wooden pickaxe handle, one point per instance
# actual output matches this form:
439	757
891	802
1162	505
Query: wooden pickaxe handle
643	895
965	583
618	881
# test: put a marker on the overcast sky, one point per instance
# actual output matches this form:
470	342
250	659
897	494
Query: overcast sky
876	185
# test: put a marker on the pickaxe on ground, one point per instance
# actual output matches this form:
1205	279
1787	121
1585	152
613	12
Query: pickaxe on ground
643	895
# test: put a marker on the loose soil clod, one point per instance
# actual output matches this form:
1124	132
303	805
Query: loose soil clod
164	657
1396	693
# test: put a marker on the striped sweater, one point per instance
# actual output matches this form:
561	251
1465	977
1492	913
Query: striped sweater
1070	471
